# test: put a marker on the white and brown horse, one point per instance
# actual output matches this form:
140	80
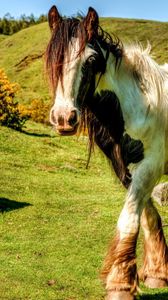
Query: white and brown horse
122	95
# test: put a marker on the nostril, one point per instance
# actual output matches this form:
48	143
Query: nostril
73	118
61	121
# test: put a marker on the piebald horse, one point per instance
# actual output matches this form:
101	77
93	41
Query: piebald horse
121	94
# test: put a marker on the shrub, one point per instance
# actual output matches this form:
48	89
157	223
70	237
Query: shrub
38	111
9	111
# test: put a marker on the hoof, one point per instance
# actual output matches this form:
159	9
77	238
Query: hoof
120	295
155	283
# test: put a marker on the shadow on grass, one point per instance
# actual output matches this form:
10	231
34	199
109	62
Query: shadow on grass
157	296
36	134
8	205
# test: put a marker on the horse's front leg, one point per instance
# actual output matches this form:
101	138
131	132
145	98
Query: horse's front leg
120	272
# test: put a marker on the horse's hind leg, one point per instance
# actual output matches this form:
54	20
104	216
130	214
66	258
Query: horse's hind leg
154	272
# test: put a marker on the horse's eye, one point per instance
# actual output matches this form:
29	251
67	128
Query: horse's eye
91	59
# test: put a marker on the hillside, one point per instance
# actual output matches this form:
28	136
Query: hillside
2	37
21	57
21	54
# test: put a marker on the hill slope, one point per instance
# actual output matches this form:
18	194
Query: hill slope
21	53
21	57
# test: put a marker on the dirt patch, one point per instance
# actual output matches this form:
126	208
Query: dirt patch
27	60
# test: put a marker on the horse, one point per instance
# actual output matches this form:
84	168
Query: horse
120	94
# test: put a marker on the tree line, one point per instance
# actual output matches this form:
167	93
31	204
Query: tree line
9	25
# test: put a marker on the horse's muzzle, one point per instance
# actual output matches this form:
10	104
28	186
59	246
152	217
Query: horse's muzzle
66	123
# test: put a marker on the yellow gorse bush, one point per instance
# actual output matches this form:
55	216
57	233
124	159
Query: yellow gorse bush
9	110
37	110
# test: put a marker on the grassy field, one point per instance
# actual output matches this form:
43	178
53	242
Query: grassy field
21	55
57	217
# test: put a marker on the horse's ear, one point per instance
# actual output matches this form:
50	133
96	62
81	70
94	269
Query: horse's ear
54	17
91	23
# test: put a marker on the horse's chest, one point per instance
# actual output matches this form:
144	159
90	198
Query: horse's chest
139	127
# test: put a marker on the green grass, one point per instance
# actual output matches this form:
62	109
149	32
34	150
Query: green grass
19	53
2	37
57	217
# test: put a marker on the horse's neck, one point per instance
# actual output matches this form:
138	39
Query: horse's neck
121	82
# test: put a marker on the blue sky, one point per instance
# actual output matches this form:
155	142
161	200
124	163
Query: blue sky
141	9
